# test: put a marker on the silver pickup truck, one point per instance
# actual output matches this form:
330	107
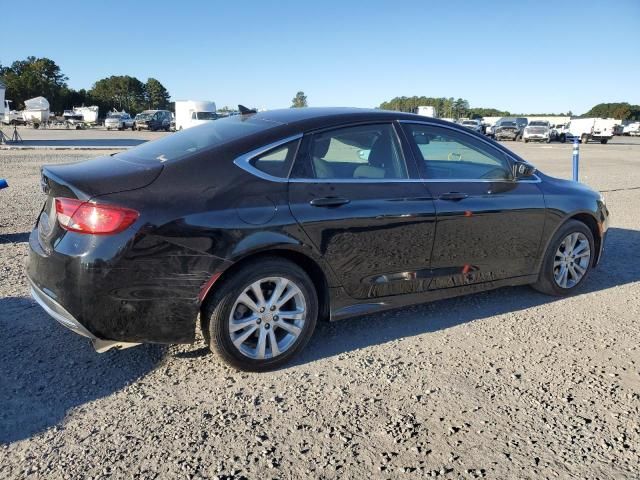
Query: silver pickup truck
119	121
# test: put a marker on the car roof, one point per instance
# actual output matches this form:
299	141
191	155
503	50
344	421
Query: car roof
310	118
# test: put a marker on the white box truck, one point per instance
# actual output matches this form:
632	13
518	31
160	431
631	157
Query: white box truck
585	129
427	111
190	113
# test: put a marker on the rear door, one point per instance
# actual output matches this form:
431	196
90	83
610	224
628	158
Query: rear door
365	209
489	225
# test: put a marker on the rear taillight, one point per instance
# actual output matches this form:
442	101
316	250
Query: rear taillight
94	218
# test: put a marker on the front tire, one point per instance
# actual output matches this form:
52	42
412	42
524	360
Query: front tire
567	261
262	315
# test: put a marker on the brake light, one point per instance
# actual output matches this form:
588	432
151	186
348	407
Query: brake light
94	218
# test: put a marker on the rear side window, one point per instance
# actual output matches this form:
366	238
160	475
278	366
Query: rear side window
359	152
276	162
195	139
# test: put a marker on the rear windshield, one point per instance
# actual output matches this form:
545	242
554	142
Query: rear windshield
195	139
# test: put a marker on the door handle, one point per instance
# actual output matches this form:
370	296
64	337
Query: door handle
329	201
454	196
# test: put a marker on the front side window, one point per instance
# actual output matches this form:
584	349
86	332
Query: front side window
450	154
359	152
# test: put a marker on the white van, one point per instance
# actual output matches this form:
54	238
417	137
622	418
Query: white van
585	129
190	113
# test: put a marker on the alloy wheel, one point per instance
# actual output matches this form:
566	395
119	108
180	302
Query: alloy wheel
267	318
572	260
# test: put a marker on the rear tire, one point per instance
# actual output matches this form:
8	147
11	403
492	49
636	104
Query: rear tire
563	138
560	254
271	336
584	139
604	141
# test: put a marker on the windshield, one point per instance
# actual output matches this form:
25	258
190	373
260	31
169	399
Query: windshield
114	115
206	115
507	124
195	139
538	124
469	122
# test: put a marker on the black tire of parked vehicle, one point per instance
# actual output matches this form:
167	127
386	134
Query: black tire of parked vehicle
217	310
546	282
584	139
526	140
604	141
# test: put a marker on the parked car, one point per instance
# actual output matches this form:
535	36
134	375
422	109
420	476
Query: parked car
261	225
475	125
154	120
631	129
556	130
537	131
507	129
118	120
586	129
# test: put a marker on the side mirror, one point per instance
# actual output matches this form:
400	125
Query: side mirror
523	170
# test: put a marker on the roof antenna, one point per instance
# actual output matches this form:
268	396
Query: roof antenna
246	111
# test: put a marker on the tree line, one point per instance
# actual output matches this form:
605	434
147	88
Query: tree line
459	108
620	111
35	77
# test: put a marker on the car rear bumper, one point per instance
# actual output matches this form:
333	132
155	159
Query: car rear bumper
58	312
106	293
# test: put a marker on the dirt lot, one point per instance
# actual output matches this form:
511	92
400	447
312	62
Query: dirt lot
505	384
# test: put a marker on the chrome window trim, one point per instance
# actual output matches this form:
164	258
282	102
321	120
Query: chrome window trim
244	160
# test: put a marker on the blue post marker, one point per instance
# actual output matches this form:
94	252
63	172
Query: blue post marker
3	183
576	158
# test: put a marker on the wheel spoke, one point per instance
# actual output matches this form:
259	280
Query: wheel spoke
573	238
273	343
291	292
281	286
242	338
246	301
242	323
256	288
292	315
292	329
562	276
579	269
580	247
262	343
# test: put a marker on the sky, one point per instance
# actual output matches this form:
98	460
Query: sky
521	56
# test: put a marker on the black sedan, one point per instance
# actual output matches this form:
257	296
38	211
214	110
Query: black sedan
262	224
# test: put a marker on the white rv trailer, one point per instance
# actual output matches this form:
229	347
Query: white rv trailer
427	111
190	113
36	111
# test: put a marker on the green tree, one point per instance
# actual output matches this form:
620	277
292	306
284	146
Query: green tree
299	101
156	96
620	111
34	77
121	92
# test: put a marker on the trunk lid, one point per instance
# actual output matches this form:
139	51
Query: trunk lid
87	180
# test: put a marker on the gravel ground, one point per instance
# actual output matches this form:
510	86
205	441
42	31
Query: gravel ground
504	384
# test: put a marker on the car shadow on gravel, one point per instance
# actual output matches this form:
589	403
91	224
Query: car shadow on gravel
14	237
331	339
47	370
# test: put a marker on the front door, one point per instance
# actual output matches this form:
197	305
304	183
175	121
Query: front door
364	208
489	225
